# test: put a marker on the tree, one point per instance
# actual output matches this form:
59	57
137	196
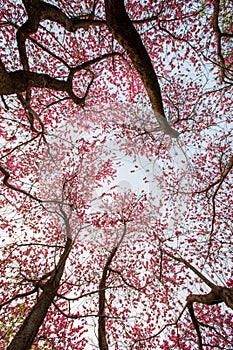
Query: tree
84	87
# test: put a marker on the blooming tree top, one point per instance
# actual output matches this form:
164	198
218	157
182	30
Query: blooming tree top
116	174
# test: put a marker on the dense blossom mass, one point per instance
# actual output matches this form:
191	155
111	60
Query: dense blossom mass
116	174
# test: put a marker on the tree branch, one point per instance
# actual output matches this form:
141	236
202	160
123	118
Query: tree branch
191	267
217	295
196	325
39	10
14	188
22	80
22	295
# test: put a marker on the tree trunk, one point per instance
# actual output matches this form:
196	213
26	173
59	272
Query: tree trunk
126	34
25	336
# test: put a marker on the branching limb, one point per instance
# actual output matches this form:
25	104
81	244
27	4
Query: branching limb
14	188
32	114
163	328
22	80
218	294
191	267
220	181
22	295
119	273
54	14
196	325
39	10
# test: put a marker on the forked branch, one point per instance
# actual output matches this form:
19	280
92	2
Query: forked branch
217	295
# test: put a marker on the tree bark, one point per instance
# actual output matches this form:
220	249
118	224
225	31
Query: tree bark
25	336
125	33
102	334
102	338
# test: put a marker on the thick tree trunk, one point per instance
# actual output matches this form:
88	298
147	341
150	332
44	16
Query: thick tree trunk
25	336
125	33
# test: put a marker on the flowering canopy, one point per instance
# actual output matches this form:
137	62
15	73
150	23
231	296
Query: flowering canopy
116	174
